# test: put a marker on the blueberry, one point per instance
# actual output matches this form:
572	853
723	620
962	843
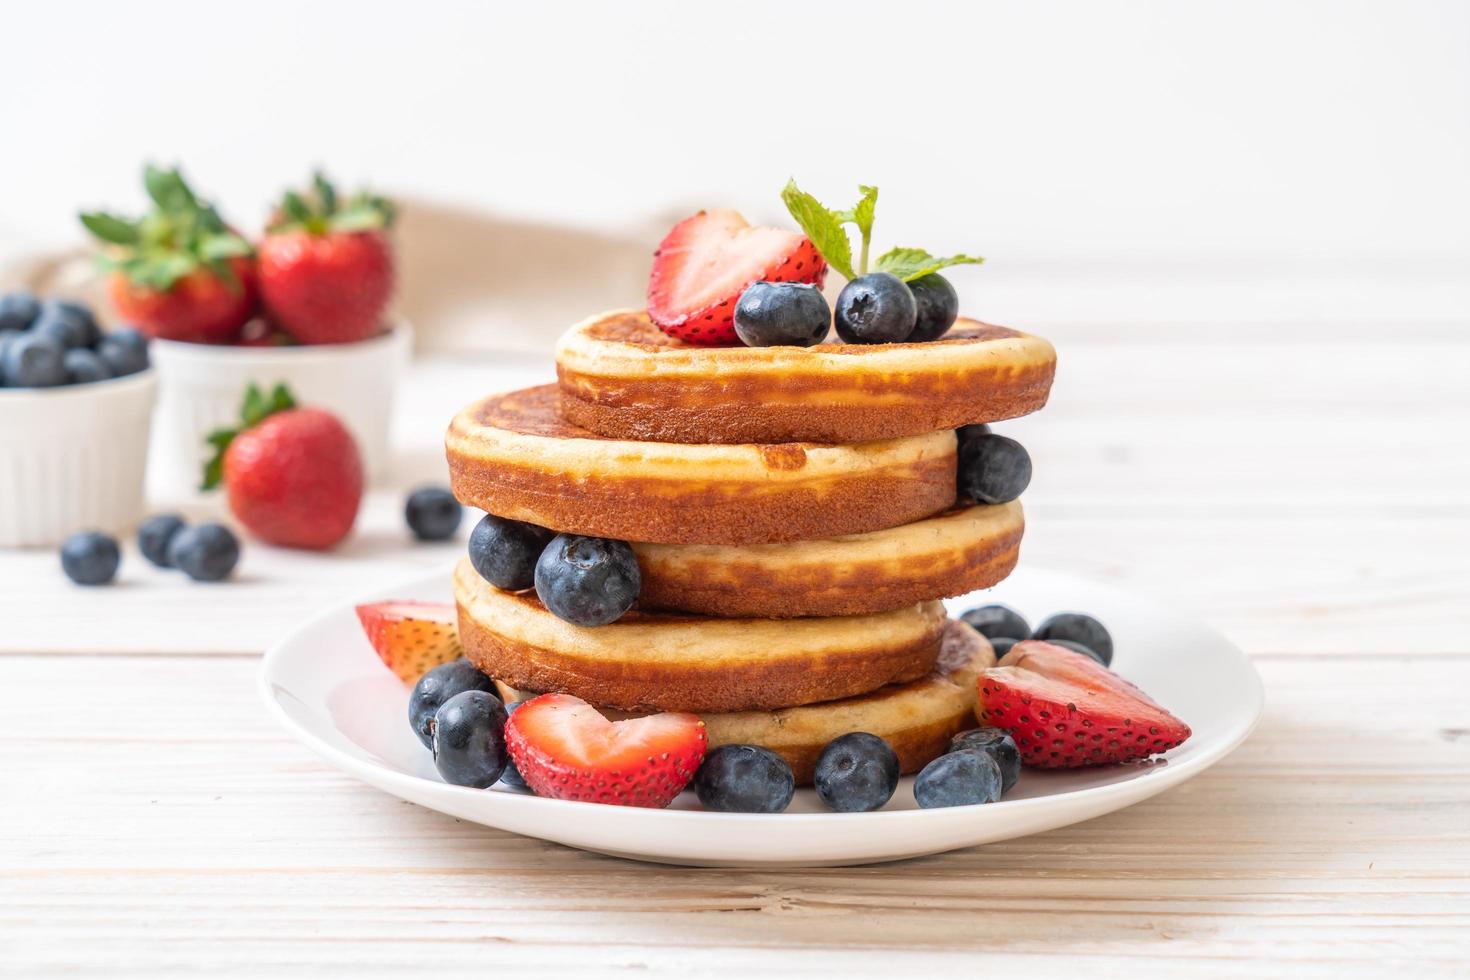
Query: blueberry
34	360
771	314
90	558
504	552
938	307
69	324
438	686
6	338
997	620
856	772
588	581
124	351
510	775
18	310
744	779
206	553
432	513
156	534
958	779
875	309
1079	628
999	745
1076	647
967	432
469	739
1002	644
993	469
83	365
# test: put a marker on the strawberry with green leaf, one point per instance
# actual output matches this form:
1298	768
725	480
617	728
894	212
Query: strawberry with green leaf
178	272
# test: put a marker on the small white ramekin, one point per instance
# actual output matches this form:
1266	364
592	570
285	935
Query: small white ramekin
201	387
73	458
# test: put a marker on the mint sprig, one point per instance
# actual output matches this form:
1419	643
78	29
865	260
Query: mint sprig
822	226
914	263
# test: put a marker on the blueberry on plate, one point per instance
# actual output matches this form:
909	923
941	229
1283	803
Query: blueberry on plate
959	778
967	432
156	534
34	360
504	552
205	553
124	351
432	513
875	309
1079	628
993	469
18	310
744	779
771	314
996	620
68	324
83	366
90	558
588	581
510	775
436	687
469	739
1002	644
999	745
856	772
937	306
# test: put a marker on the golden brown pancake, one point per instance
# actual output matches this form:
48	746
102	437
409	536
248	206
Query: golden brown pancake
513	456
622	377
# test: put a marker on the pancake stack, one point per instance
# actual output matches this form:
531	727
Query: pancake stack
794	515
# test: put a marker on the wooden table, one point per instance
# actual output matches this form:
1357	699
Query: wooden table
1302	487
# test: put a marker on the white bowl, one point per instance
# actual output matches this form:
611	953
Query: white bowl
72	458
201	387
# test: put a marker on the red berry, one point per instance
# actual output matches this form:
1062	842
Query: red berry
412	638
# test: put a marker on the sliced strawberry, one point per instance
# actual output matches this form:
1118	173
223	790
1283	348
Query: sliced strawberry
1066	710
412	637
567	750
704	264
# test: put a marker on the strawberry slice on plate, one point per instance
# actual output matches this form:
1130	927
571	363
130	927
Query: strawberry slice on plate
412	638
705	262
565	749
1065	710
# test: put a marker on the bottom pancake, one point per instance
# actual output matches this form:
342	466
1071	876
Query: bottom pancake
918	718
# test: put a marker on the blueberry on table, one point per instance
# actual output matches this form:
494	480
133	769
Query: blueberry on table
124	351
996	620
993	469
1079	628
90	558
771	314
469	739
877	308
34	360
588	581
206	553
937	306
856	772
18	310
999	745
432	513
959	778
510	775
504	552
83	366
744	779
156	534
436	687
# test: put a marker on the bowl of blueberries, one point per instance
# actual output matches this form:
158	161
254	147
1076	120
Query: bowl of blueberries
75	408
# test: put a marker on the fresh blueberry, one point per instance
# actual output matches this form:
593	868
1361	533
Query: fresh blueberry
206	553
90	558
993	469
958	779
6	338
856	772
438	686
18	310
1076	647
156	534
83	365
744	779
1079	628
124	351
938	307
1002	644
68	324
771	314
510	775
996	620
588	581
875	309
999	745
432	513
469	739
967	432
504	552
34	360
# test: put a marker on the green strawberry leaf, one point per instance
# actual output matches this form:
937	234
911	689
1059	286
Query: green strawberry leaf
359	217
257	407
213	248
168	190
110	228
822	226
296	209
326	194
914	263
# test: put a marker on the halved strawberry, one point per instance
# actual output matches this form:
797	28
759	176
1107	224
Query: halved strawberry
412	637
565	749
704	264
1065	710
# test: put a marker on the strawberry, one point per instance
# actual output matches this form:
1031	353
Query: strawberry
179	272
294	475
412	637
705	262
566	749
1065	710
326	267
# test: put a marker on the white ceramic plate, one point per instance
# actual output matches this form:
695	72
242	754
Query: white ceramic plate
327	686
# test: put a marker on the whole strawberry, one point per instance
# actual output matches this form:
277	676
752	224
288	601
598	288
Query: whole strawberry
326	266
293	475
179	272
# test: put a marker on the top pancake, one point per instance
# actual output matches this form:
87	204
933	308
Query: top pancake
622	377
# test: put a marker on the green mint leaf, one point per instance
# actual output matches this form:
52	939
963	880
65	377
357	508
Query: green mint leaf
822	226
110	228
861	214
913	263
